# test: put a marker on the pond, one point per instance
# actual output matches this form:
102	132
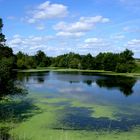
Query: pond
78	106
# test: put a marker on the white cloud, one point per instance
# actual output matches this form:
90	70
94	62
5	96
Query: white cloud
29	44
55	46
118	37
79	28
96	42
69	34
82	25
134	45
131	29
93	40
32	44
47	10
96	45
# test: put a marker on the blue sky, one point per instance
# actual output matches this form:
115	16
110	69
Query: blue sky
81	26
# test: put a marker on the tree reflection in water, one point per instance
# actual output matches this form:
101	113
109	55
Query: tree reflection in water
10	109
124	84
10	86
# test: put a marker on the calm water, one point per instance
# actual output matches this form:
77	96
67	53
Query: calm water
122	93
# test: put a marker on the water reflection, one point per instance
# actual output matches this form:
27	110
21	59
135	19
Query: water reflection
41	77
88	82
10	86
26	76
123	84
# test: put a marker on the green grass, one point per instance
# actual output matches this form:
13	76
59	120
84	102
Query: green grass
57	69
101	72
44	134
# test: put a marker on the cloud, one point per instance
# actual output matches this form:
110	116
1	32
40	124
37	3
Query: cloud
71	90
84	24
53	46
96	45
131	29
40	27
134	45
95	42
117	37
32	44
11	17
47	10
29	44
78	28
69	34
131	4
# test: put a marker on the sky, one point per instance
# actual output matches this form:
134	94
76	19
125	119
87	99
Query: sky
81	26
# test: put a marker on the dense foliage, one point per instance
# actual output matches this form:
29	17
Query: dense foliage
117	62
25	61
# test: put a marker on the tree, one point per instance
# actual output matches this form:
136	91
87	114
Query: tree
20	55
73	60
126	62
5	51
87	62
74	63
41	59
30	62
123	62
62	61
2	37
70	60
99	61
25	61
126	55
110	61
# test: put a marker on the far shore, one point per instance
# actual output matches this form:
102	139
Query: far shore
101	72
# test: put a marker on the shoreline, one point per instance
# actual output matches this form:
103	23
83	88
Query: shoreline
101	72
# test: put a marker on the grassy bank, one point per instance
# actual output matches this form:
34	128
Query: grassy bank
102	72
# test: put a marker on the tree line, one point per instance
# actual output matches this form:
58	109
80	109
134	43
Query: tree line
117	62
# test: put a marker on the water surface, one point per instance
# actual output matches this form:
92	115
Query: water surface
118	96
